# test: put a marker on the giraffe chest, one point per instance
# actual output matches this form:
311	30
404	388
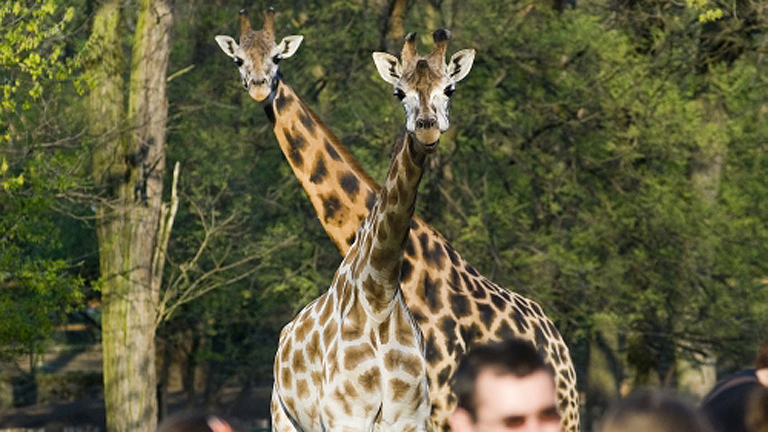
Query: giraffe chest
363	375
382	379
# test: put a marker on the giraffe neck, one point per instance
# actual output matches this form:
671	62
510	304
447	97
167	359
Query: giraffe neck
381	238
341	192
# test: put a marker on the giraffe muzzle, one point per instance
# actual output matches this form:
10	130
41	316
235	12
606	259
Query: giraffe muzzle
426	131
259	90
427	137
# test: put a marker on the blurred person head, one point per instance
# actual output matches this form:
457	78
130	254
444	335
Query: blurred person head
727	405
195	422
757	411
504	386
653	410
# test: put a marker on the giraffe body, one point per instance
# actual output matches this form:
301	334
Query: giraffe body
353	359
454	305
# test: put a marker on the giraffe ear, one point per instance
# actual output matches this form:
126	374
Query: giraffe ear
460	64
288	46
228	45
388	66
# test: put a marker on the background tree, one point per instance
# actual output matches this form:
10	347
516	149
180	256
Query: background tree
39	279
128	167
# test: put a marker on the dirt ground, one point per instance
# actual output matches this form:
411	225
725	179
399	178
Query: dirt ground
87	415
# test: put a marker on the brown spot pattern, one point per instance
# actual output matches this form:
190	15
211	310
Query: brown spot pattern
302	389
350	390
343	401
287	348
370	380
314	351
317	379
384	331
355	355
403	329
409	363
354	323
305	326
285	376
399	388
299	362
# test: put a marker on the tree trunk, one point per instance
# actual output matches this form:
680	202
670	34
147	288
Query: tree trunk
391	31
190	369
128	170
163	380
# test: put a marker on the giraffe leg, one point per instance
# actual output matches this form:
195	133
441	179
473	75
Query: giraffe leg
280	420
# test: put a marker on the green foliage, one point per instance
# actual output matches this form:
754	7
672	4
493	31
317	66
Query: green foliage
37	285
32	33
596	165
39	280
707	12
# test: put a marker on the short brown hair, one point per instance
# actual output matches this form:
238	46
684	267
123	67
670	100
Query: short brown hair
761	362
513	356
653	410
756	418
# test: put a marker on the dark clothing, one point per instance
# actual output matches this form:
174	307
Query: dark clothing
726	405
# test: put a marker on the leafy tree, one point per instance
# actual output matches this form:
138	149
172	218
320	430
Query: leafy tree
40	284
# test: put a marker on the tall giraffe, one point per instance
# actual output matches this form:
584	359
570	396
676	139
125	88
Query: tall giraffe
354	358
455	306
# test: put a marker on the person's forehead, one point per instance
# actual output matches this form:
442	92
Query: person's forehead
505	394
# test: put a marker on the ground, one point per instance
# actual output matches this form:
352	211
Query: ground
87	414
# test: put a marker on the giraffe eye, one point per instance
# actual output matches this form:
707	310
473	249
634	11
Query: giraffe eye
449	90
400	93
276	59
238	61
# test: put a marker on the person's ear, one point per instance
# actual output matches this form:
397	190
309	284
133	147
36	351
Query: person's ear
461	421
762	376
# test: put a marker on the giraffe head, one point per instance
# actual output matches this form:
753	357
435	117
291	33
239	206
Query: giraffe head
257	55
425	84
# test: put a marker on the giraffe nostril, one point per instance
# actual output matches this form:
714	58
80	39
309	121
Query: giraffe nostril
426	123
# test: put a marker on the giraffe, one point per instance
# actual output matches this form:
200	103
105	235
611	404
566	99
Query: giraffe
354	358
455	306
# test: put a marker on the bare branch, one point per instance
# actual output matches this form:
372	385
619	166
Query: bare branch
183	291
